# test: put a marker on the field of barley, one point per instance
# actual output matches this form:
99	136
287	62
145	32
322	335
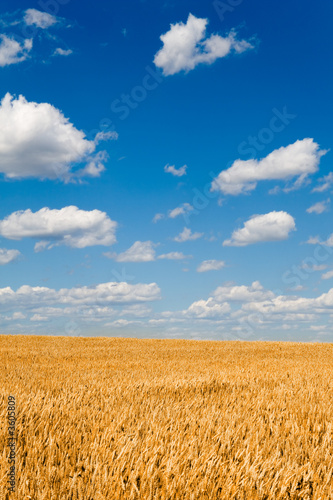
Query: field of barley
112	419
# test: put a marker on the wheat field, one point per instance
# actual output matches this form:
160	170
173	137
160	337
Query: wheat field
111	418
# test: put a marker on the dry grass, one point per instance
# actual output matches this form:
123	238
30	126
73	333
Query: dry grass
116	419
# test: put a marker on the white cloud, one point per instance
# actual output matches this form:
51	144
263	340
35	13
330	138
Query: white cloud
36	140
325	183
170	169
140	251
187	45
62	52
210	265
38	317
12	52
67	226
136	310
40	19
313	267
158	217
296	160
257	308
316	240
207	309
327	276
282	303
18	315
274	226
185	208
187	235
319	208
174	256
111	293
7	256
242	293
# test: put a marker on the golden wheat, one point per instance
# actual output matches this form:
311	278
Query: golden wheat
106	418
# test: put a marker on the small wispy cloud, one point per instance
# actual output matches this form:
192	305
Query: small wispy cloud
187	235
170	169
319	208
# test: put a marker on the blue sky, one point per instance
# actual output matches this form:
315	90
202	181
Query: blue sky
165	169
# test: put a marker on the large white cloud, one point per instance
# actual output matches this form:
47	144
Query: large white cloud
296	160
36	140
7	256
111	293
13	52
186	45
40	19
67	226
274	226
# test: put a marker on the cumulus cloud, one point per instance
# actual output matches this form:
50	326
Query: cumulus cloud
67	226
325	183
242	293
245	309
7	256
111	293
140	251
43	20
170	169
62	52
187	235
187	45
36	140
207	309
274	226
296	160
13	52
210	265
290	304
174	256
319	208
